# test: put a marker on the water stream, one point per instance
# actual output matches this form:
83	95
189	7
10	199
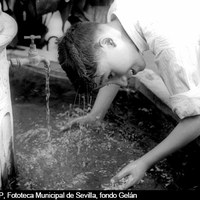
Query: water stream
47	90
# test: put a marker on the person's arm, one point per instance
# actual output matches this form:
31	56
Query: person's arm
103	101
187	130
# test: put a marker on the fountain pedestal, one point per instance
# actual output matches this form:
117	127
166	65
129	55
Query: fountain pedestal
8	29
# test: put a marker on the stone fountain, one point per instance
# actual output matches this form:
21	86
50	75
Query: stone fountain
8	29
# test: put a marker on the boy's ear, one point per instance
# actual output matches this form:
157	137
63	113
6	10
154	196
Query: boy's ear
107	42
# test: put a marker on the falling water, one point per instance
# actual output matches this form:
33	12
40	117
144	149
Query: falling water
47	90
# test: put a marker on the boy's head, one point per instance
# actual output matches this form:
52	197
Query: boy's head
77	55
93	54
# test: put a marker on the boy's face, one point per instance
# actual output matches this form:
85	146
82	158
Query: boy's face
118	55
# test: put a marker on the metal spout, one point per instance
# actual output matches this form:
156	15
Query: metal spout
33	59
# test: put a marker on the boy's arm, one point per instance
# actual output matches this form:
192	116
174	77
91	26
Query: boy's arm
103	101
187	130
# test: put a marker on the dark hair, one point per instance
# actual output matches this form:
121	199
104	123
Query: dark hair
77	55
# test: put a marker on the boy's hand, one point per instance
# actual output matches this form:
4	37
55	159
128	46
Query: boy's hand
135	171
87	119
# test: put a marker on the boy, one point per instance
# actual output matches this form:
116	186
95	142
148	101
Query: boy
102	56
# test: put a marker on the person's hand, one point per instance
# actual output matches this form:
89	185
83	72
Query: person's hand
86	119
135	171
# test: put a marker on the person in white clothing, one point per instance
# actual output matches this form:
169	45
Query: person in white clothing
96	55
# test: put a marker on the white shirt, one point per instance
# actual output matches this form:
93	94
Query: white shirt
171	30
